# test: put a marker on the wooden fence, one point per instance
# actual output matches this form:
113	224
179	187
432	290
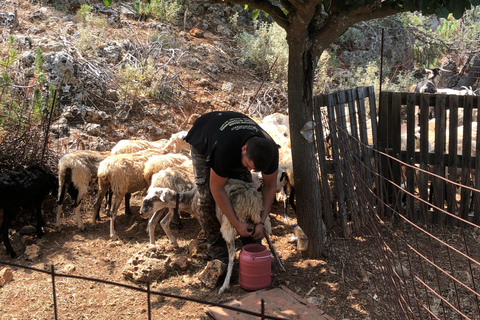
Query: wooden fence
405	161
439	155
344	161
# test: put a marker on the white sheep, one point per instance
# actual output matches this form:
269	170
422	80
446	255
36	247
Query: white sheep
132	146
179	179
176	143
278	119
246	202
160	162
76	170
123	173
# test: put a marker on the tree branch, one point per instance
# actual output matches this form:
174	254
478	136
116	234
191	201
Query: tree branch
337	24
275	12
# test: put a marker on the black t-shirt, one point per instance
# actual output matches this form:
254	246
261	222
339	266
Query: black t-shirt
220	135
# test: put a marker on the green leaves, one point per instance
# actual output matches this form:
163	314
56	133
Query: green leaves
442	12
107	2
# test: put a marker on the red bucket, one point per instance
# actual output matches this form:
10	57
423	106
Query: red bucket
255	267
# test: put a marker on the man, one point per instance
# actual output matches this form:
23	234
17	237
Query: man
227	144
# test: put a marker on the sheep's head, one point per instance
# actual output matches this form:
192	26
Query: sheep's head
157	199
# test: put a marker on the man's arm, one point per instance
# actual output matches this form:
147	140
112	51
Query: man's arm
269	189
220	196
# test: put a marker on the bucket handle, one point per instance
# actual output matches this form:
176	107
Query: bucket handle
265	257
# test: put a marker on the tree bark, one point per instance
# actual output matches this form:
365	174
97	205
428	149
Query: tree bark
300	105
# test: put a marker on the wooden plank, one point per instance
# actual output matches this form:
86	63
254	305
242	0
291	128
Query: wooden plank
346	158
476	198
368	175
336	158
466	154
325	188
423	177
279	302
410	172
374	127
395	143
453	161
382	141
438	165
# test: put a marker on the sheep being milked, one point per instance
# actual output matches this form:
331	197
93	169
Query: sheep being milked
246	202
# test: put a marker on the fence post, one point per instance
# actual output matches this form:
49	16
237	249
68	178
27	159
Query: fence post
148	301
262	311
54	292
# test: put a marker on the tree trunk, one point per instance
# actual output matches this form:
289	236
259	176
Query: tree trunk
300	106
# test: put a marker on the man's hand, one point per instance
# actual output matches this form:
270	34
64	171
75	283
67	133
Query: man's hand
258	233
244	229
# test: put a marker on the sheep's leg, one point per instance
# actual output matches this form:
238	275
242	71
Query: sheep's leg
165	223
291	199
113	215
77	210
98	203
231	258
7	216
128	212
152	223
40	222
61	198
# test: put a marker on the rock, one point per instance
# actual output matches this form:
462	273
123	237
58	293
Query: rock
69	268
195	32
93	129
147	265
227	86
6	275
60	67
212	273
196	249
32	252
181	263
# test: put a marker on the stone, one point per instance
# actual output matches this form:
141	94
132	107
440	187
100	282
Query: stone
32	252
148	265
181	263
69	268
6	275
212	273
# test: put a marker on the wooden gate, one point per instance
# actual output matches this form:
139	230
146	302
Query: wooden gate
345	154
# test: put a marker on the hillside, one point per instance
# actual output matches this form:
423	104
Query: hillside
118	76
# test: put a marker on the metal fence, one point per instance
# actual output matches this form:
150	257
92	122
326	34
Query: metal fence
426	235
54	275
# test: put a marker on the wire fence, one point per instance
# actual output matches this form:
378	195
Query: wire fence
428	250
54	275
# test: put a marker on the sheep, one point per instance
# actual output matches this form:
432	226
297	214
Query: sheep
132	146
176	143
160	162
22	189
123	173
277	132
246	202
179	179
280	120
464	91
75	172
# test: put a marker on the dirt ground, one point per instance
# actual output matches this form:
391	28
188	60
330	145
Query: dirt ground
346	285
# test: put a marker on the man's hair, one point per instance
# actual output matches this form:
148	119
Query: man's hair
260	151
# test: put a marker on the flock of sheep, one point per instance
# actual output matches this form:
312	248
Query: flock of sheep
163	168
